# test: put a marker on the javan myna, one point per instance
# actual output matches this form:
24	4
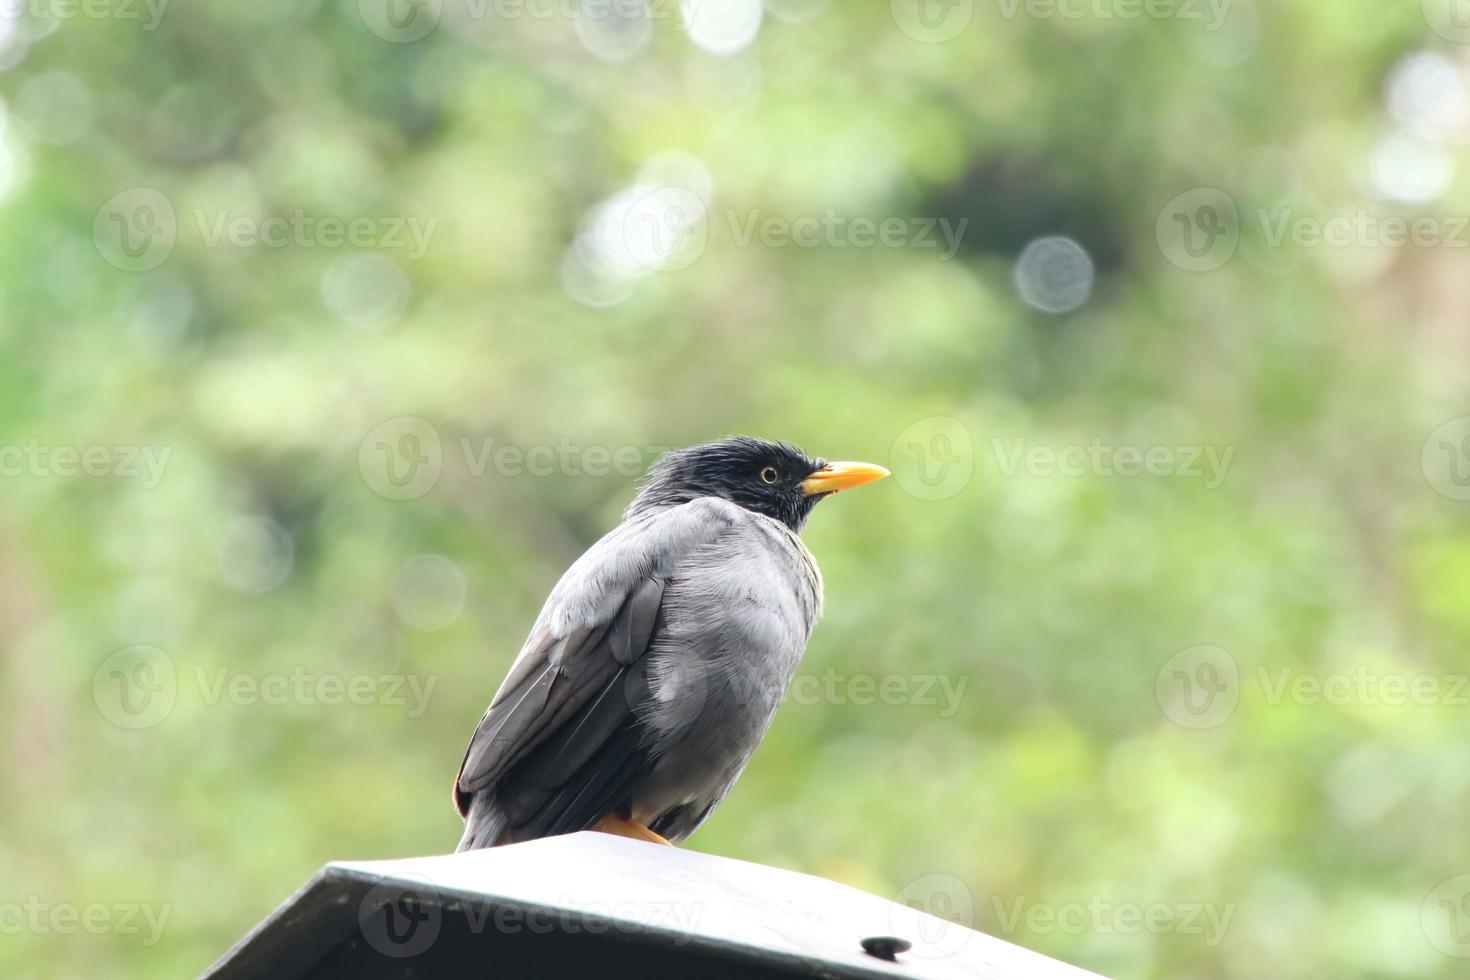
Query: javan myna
658	661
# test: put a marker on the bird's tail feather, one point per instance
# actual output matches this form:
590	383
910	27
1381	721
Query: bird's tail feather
483	825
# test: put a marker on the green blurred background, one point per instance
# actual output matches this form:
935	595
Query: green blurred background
284	486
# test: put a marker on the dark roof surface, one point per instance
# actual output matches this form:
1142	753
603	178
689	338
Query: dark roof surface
591	904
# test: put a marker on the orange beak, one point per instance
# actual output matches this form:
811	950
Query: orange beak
841	476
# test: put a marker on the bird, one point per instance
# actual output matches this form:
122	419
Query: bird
658	661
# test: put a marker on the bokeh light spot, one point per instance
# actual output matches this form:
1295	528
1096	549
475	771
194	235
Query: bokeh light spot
366	291
1054	274
615	32
428	592
255	554
721	26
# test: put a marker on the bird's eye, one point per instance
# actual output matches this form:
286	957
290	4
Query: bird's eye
769	475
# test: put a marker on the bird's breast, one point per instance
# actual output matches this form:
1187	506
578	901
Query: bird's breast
737	617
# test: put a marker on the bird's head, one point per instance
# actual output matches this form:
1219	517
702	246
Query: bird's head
772	478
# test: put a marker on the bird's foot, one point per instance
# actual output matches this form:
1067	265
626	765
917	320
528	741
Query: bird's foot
619	827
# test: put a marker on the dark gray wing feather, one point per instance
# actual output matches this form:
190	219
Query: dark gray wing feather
541	684
562	754
562	740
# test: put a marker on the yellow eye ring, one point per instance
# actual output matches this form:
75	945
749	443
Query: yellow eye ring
769	475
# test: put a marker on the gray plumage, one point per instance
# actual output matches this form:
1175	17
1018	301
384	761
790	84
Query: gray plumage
659	659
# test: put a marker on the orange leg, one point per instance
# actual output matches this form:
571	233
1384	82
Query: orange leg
619	827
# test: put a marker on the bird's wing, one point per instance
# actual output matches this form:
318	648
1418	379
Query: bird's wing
561	738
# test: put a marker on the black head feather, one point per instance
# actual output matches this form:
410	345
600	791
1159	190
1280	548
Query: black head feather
757	474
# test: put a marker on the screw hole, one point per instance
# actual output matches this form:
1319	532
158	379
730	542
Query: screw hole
886	947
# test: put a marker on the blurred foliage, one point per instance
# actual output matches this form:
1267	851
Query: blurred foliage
1058	780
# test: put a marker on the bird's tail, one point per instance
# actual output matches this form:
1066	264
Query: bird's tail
483	825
